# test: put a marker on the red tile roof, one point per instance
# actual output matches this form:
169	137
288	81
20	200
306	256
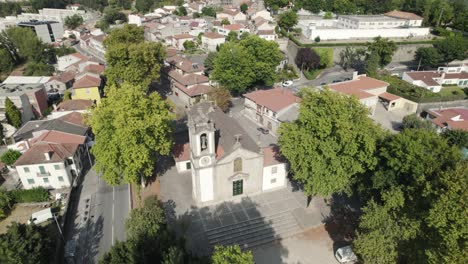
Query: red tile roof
230	12
198	89
183	36
87	82
271	156
358	87
95	68
72	105
186	65
233	27
274	99
64	77
188	79
459	75
426	77
212	35
389	97
58	137
404	15
181	152
455	118
75	118
36	154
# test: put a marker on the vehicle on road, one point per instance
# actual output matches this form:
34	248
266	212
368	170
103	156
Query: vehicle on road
336	81
40	216
345	255
287	83
322	84
263	130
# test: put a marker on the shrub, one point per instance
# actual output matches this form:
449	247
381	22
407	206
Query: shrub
37	194
10	157
6	203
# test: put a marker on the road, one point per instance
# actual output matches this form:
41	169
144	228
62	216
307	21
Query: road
98	217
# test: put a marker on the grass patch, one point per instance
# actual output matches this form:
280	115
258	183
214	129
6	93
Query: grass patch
312	74
33	195
451	91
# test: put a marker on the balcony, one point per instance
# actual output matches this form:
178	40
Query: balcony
43	174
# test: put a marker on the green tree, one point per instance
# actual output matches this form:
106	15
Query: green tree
276	4
27	244
2	135
414	122
6	63
325	148
143	6
120	252
74	21
112	15
233	67
6	203
174	255
10	157
209	11
38	69
132	130
23	42
231	255
189	45
384	48
372	64
208	63
129	59
146	222
427	57
350	58
12	114
232	36
221	97
307	59
456	137
180	11
244	7
287	20
287	73
314	6
225	22
452	48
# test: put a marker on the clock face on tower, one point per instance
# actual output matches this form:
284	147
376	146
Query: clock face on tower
205	161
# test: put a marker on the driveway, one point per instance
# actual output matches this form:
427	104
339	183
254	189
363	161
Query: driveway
390	120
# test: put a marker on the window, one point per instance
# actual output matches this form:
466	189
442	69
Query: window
57	167
238	164
26	169
42	170
188	165
273	180
46	180
31	181
237	187
203	142
274	170
60	178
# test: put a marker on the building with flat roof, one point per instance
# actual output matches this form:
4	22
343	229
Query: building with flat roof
47	31
30	99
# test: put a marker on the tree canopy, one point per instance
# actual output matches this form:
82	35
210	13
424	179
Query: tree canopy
324	146
28	244
452	48
10	156
74	21
287	20
231	255
130	59
12	113
413	121
132	130
307	59
427	57
384	48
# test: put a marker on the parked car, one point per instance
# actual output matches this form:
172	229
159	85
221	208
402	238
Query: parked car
345	255
287	83
40	216
263	130
336	81
322	84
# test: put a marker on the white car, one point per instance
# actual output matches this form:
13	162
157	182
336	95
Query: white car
345	255
287	83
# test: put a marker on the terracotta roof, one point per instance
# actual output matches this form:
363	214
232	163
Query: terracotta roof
274	99
194	24
426	77
266	32
64	76
358	87
75	118
187	66
79	55
271	156
195	90
58	138
95	68
99	38
404	15
233	27
72	105
35	155
181	152
459	75
86	82
389	97
455	118
213	35
85	37
183	36
171	52
229	12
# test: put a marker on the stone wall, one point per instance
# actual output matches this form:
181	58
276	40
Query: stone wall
425	106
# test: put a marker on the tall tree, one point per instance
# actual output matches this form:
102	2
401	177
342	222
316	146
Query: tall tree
221	97
10	156
287	20
12	113
244	7
452	48
144	6
132	130
231	255
307	59
427	57
384	48
74	21
28	244
130	59
414	122
25	43
209	62
456	137
324	146
6	63
120	252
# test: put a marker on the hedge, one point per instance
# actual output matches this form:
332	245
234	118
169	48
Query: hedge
37	194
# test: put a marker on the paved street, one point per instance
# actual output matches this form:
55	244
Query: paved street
98	217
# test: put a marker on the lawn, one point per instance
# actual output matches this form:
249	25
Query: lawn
451	90
312	74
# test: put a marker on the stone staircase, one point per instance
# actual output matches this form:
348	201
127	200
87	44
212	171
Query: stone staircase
255	232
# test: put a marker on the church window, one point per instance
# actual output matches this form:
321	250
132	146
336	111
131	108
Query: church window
237	187
203	142
238	164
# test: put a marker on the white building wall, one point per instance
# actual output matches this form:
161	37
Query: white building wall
206	184
273	180
52	175
210	44
340	34
182	166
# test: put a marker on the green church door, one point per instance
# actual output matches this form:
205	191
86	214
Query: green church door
237	187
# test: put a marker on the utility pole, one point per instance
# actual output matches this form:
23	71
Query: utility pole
440	15
60	230
419	64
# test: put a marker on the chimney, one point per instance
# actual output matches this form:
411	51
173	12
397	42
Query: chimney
442	76
26	142
355	75
48	155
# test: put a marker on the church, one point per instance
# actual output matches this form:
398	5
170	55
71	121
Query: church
224	161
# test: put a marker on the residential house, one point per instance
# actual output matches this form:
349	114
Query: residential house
53	161
31	99
267	34
212	40
225	29
448	118
263	24
265	14
187	80
96	46
178	41
87	86
57	84
434	80
270	108
195	7
231	15
64	62
136	19
71	106
224	161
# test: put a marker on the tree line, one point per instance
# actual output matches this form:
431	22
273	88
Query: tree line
410	184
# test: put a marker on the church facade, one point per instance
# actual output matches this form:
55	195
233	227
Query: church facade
224	161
